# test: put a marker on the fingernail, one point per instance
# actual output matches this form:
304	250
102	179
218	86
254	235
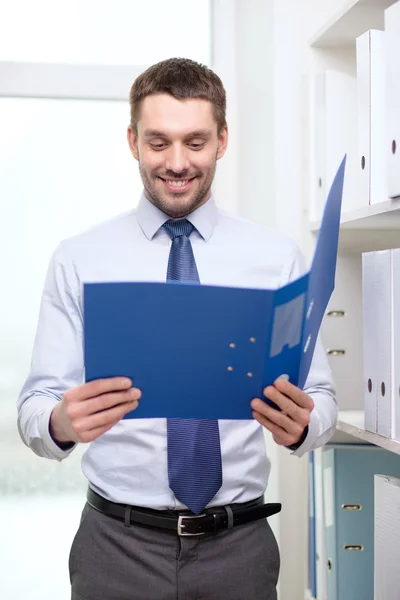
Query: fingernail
126	381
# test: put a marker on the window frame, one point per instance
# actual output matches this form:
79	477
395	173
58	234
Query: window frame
56	81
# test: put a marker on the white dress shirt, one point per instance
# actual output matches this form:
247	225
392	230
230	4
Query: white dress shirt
128	464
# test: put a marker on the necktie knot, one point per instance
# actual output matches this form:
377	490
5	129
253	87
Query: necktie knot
178	227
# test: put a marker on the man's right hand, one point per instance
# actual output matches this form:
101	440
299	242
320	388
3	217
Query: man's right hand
91	409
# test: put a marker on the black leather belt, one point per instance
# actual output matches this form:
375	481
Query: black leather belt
184	523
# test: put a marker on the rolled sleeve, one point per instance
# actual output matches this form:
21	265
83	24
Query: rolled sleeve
57	357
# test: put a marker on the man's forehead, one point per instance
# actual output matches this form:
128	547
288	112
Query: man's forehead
162	112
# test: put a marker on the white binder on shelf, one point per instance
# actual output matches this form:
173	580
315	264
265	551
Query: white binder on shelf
335	130
341	333
395	343
377	341
381	320
387	535
371	117
392	32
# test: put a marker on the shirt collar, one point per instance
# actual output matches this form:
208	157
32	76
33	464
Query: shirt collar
151	218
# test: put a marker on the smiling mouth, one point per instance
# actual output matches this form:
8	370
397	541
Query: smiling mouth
178	185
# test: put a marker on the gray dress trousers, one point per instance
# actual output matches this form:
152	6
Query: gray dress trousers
110	561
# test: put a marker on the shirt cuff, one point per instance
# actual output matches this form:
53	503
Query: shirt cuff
301	440
53	449
311	434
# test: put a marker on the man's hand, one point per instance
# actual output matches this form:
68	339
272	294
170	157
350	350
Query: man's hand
287	426
91	409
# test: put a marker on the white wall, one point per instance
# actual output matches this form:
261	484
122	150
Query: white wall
289	166
256	113
266	171
224	63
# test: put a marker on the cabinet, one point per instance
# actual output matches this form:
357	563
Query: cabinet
370	219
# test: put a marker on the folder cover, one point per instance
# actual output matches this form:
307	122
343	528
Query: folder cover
204	352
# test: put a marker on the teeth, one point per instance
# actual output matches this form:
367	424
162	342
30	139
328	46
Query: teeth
178	183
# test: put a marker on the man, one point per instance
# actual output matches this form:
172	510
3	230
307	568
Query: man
134	541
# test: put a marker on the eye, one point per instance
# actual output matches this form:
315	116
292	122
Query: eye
158	146
196	145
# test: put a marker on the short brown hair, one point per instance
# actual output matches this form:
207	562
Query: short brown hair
181	78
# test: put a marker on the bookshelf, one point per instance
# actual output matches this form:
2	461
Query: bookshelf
350	429
385	215
330	44
347	20
364	227
373	227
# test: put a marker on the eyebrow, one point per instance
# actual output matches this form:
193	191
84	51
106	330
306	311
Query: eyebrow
155	133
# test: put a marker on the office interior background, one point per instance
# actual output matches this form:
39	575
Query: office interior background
299	97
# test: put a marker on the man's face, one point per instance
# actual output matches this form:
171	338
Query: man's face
177	146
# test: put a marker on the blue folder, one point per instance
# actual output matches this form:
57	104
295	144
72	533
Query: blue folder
204	352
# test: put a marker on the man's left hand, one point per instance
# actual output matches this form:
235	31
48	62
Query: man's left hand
287	425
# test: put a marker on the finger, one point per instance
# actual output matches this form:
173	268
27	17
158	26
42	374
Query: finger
106	401
287	406
277	417
100	403
280	435
98	387
295	393
104	418
93	434
90	436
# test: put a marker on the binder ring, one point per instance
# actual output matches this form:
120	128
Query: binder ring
336	352
353	548
336	313
351	507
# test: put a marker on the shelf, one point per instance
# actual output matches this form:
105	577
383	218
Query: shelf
385	215
351	423
375	227
352	20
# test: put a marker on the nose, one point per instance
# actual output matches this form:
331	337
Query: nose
177	158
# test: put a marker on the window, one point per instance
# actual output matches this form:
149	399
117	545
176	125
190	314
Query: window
65	165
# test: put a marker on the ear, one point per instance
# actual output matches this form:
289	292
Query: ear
133	142
222	142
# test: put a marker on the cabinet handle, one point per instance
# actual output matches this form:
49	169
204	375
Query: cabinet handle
336	313
351	507
353	548
336	352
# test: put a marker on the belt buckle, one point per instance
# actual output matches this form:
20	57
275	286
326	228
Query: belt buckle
181	525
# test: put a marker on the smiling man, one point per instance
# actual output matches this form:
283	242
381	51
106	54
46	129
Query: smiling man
175	507
177	144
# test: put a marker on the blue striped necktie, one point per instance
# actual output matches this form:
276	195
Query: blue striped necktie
194	451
